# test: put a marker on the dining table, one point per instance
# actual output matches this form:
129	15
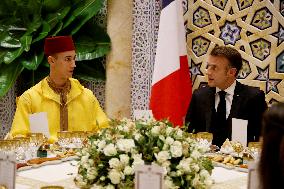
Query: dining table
63	174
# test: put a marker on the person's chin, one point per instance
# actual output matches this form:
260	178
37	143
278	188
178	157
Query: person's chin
211	84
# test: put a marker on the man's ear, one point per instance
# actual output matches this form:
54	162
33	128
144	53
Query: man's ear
50	60
233	71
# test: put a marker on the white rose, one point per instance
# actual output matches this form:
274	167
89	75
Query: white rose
204	173
102	178
173	174
163	156
109	186
169	130
208	182
137	160
126	128
114	176
166	147
120	128
137	156
155	130
86	165
169	183
162	137
101	145
167	164
95	142
137	136
128	170
184	165
114	163
176	149
124	159
110	150
179	133
125	145
179	172
97	187
92	173
195	154
85	151
169	140
91	161
195	167
84	159
196	181
80	182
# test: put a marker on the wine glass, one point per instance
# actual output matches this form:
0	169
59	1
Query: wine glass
36	140
64	139
205	136
238	148
78	138
3	145
23	150
254	148
204	139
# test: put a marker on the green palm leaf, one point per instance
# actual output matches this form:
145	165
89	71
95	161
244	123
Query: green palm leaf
83	12
94	44
8	75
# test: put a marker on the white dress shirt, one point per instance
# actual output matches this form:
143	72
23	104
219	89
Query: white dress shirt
229	98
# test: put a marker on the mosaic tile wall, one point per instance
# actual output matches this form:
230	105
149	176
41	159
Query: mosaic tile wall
254	27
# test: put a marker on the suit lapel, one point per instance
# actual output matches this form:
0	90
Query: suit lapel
210	108
236	100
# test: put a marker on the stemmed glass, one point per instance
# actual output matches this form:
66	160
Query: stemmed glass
36	140
3	145
204	139
64	139
22	152
78	138
254	148
238	148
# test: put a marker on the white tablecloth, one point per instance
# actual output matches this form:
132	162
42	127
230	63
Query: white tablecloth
63	174
229	179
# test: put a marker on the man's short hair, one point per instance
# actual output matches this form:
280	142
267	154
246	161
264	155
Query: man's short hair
234	57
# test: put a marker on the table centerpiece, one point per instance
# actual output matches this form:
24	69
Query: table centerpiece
110	156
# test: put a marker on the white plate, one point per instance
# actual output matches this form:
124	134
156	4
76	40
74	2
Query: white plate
24	168
241	169
69	158
51	162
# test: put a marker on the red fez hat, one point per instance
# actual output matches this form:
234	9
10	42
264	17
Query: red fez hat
58	44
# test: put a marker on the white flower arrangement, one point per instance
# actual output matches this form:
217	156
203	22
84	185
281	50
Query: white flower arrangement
110	157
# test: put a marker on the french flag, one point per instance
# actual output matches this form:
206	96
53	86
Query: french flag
171	85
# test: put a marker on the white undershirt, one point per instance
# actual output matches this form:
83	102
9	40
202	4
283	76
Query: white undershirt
229	98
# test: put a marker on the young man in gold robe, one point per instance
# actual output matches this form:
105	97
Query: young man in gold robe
69	106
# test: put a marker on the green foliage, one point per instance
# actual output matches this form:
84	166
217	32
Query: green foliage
24	24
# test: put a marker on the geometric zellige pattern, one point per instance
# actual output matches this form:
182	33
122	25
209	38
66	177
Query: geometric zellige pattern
144	39
7	110
254	27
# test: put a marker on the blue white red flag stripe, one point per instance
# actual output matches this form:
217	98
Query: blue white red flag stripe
171	85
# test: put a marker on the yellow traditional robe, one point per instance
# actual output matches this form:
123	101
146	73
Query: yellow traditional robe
84	111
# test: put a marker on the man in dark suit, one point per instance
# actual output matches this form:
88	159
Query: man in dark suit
213	107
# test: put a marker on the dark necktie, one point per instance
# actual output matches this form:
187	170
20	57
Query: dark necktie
221	109
220	131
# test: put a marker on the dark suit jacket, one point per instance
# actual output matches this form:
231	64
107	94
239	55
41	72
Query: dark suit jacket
248	103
